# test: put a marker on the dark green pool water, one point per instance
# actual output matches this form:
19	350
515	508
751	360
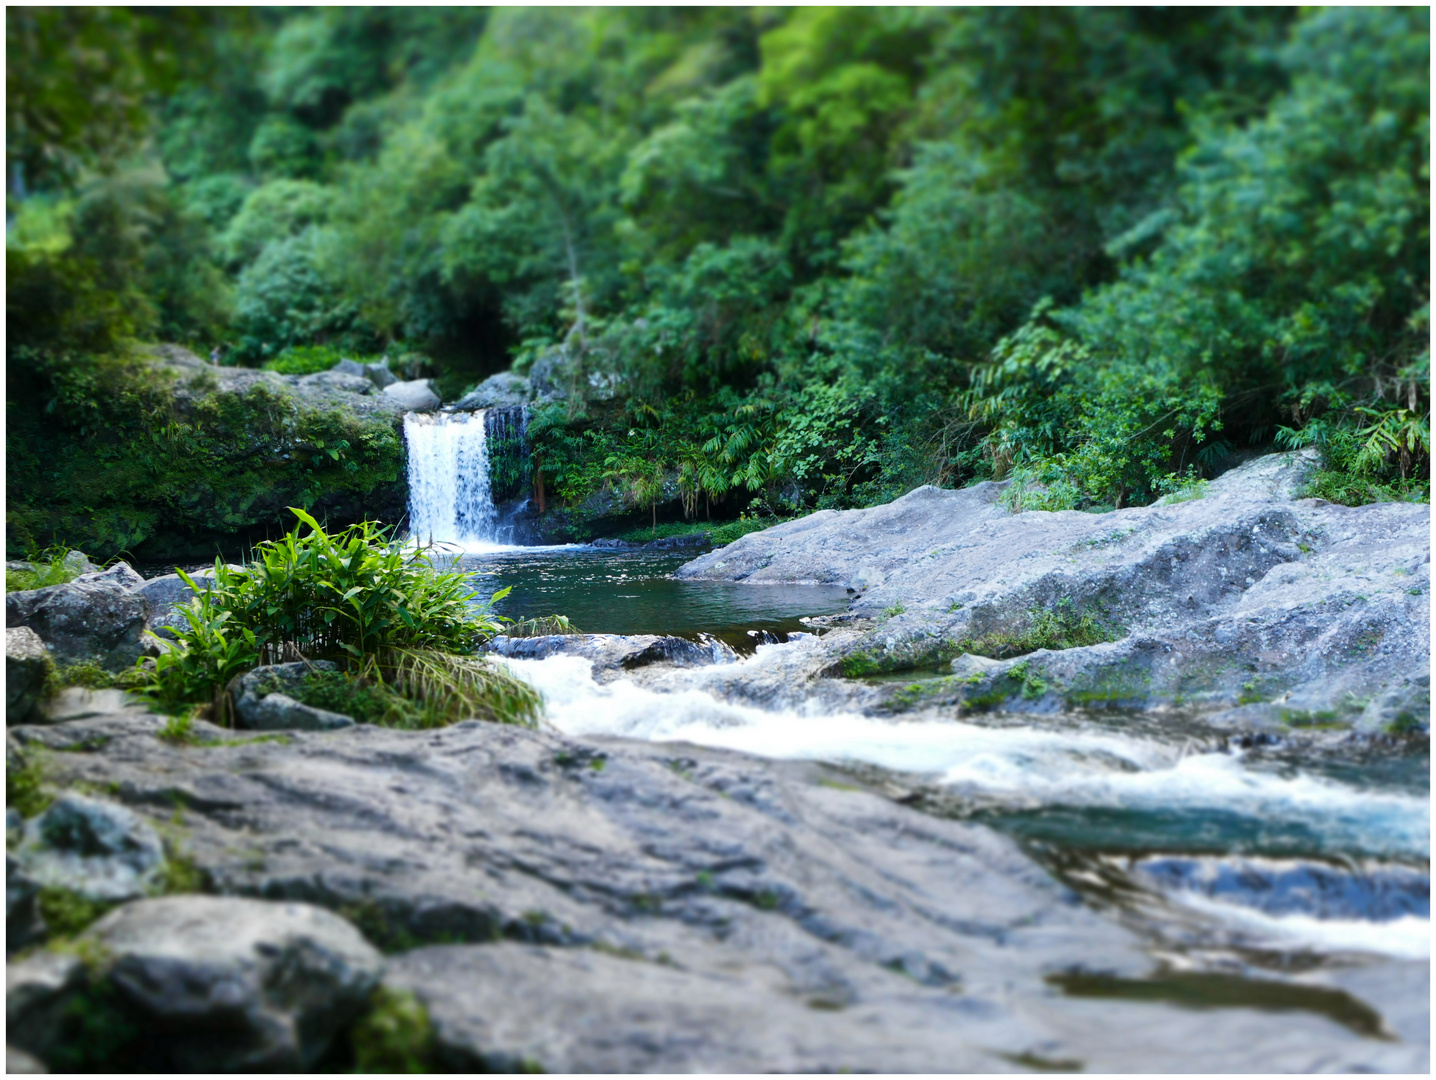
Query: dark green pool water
634	592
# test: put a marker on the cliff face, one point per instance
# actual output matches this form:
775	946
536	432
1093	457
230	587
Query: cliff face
176	458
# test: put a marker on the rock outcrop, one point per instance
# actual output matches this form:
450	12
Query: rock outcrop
1274	609
612	654
196	984
595	905
98	620
92	848
503	390
27	667
262	700
416	395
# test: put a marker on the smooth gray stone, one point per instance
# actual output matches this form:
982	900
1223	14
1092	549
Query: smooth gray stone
227	984
767	914
27	666
122	574
416	395
343	382
262	700
84	620
99	850
497	391
612	653
1262	608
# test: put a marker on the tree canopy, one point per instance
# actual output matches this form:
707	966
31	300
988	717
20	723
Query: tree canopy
812	255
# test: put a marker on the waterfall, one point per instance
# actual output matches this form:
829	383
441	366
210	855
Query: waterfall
450	499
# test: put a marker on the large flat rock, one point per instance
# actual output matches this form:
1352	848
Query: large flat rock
607	905
1248	600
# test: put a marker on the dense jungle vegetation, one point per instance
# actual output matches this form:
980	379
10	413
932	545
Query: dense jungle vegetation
777	259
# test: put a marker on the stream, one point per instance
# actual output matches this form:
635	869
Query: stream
1244	862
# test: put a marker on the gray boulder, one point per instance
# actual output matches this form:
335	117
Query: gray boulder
23	925
341	381
167	594
76	562
17	1061
413	396
379	374
96	849
84	620
121	574
27	667
262	701
209	984
1272	610
614	653
503	390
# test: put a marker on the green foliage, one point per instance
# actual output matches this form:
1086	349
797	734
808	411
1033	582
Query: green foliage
48	567
395	1035
541	627
24	786
780	259
304	360
100	452
406	631
1061	626
67	913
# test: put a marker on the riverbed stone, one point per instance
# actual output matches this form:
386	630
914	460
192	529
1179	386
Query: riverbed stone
27	668
612	654
262	700
98	850
168	593
345	382
121	574
416	395
84	620
767	914
1268	609
209	984
501	390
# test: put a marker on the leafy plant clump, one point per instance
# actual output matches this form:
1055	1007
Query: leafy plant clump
395	1036
55	565
1061	626
542	626
404	631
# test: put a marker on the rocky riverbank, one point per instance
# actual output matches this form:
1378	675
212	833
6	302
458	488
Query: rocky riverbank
1257	607
322	894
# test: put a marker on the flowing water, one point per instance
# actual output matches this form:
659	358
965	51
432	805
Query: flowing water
1259	860
449	489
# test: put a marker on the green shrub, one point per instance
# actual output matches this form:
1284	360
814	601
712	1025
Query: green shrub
1061	626
68	913
542	627
395	1036
49	567
406	633
24	787
304	360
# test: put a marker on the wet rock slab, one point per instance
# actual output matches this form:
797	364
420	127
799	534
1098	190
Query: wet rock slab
1274	610
612	654
689	909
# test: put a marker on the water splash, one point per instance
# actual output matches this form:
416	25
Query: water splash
450	499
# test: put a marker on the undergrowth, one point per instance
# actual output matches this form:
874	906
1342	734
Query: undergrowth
1061	626
406	634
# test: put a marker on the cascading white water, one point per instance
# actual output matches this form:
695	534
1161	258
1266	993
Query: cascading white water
450	500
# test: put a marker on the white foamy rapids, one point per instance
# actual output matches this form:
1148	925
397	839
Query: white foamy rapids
449	495
1019	766
1406	938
